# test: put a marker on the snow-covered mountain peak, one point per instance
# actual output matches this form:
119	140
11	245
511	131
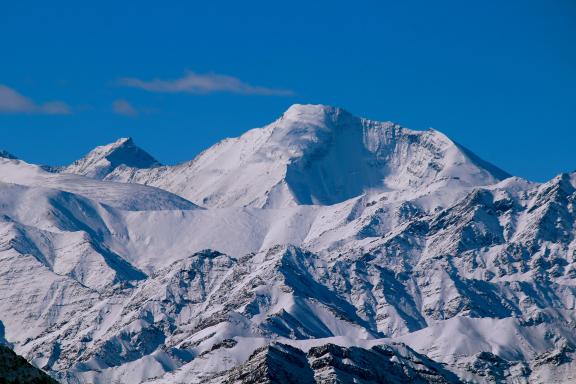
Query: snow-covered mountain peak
309	112
335	155
121	141
316	115
104	159
316	155
304	130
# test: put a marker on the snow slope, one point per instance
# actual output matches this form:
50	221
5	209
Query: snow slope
118	195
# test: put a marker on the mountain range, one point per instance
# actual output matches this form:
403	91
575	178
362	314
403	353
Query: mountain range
321	248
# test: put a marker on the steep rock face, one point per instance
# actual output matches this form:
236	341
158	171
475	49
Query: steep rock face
330	363
276	363
315	154
104	159
15	370
391	363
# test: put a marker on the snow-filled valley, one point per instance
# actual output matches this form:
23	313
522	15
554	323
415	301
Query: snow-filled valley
320	248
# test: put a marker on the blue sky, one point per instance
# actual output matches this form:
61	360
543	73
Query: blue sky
497	76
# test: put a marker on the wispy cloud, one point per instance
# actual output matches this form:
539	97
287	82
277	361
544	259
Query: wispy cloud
201	84
13	102
123	107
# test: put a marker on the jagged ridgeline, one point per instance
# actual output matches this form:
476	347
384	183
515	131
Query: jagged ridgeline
320	248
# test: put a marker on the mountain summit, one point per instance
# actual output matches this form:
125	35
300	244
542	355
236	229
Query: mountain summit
316	154
104	159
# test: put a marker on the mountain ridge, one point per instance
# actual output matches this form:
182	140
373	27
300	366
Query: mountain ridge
446	271
298	160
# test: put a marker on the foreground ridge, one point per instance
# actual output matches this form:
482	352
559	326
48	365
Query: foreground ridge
15	369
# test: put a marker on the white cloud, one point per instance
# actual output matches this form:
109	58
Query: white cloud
13	102
55	108
202	83
123	107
